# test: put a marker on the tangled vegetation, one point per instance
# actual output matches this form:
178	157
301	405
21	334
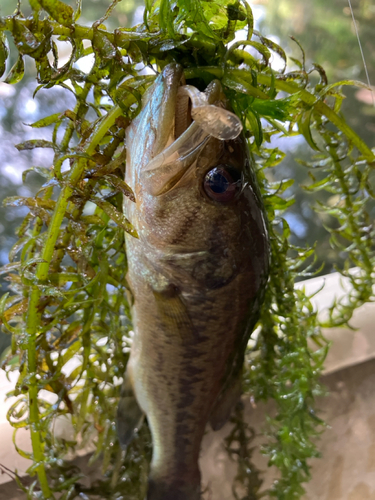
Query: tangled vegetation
67	308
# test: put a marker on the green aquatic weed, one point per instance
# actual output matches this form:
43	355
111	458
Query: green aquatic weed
67	308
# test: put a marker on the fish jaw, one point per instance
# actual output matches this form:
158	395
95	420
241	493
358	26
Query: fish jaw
151	130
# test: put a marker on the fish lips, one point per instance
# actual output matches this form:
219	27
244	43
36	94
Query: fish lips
161	99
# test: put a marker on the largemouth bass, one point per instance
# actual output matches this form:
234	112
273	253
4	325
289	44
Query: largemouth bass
197	274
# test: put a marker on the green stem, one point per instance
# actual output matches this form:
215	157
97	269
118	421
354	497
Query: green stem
33	314
33	321
80	32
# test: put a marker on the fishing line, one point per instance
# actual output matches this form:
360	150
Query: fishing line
362	54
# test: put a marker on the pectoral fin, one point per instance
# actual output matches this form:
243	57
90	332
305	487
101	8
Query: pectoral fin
174	314
129	414
225	403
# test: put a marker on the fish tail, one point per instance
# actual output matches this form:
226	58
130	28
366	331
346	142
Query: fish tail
161	490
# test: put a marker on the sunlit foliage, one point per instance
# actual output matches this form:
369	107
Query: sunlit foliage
68	310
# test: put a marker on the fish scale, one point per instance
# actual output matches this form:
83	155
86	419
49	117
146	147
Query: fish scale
197	274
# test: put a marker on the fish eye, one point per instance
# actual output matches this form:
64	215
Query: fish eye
222	183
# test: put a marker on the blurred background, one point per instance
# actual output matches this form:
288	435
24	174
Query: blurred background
324	29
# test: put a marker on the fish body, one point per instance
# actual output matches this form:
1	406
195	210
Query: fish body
197	274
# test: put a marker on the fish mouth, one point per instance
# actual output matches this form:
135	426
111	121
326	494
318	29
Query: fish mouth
182	115
162	100
196	116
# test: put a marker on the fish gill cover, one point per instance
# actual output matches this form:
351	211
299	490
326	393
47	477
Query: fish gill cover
67	271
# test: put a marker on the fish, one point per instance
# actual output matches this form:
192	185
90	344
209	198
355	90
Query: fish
197	274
